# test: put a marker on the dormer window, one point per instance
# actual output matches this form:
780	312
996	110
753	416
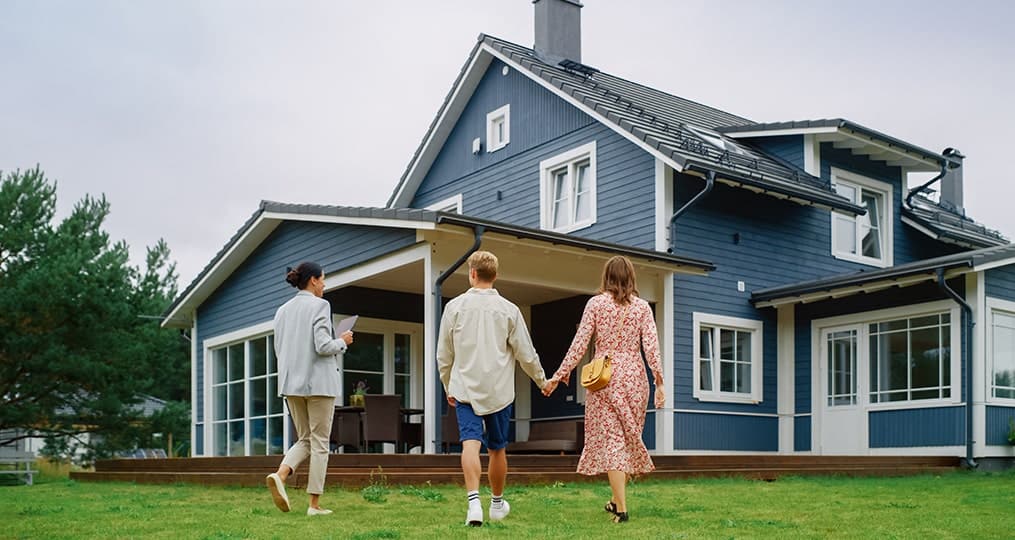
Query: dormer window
567	194
498	128
868	238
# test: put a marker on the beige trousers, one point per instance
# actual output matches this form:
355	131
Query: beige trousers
312	416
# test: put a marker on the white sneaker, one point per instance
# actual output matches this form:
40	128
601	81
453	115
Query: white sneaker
501	513
311	511
277	488
475	516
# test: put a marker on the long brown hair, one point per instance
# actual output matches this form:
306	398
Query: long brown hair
619	280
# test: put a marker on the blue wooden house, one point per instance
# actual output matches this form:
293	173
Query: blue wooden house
807	300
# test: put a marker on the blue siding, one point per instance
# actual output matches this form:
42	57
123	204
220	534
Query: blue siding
802	434
504	185
1001	283
944	426
726	432
997	424
257	288
789	148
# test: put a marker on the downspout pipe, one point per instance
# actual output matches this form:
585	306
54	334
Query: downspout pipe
967	335
709	183
439	311
946	163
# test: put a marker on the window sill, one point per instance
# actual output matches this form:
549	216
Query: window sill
572	228
880	263
720	398
914	404
493	149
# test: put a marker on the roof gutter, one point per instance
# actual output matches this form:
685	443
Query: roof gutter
439	310
966	336
709	184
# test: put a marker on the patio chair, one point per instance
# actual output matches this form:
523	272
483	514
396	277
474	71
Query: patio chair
346	430
382	419
449	430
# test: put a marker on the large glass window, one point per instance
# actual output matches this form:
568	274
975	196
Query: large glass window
728	361
382	360
568	190
1003	355
246	408
863	238
910	359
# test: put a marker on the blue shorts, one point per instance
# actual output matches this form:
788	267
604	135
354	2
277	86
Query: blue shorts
470	426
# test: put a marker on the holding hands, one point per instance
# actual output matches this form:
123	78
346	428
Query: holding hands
550	386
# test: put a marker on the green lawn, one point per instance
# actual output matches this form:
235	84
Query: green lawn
957	505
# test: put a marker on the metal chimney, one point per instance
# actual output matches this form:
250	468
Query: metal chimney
951	182
558	30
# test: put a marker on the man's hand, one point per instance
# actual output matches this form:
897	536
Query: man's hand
452	402
550	386
346	337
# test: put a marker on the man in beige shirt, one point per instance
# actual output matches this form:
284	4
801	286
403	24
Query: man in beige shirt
482	336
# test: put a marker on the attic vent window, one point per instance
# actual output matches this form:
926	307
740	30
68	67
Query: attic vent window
498	128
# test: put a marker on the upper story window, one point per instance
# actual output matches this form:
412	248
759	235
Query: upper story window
868	238
567	194
498	128
728	363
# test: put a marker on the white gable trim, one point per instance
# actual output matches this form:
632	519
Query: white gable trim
460	97
345	220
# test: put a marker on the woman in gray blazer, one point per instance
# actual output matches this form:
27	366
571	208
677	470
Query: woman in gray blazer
308	378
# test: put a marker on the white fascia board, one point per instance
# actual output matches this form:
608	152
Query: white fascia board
994	264
442	128
345	220
240	250
583	108
780	132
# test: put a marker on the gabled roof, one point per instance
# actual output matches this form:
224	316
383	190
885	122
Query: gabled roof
680	132
896	276
844	133
946	225
270	214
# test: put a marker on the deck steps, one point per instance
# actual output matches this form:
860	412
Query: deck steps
397	469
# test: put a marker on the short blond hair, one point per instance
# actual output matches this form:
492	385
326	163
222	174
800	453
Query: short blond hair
485	265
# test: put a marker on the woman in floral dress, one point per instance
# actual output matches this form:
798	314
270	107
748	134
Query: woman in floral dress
615	415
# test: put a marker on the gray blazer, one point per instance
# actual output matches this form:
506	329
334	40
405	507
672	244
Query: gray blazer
305	347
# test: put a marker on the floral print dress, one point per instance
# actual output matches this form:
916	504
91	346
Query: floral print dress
615	415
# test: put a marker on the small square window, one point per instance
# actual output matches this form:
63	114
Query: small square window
498	128
729	359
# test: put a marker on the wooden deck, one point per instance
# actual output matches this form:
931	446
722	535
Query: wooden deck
361	469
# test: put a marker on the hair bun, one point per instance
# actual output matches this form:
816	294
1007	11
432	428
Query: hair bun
292	277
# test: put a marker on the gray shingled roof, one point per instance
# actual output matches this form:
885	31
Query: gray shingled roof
966	259
668	123
430	216
838	123
951	226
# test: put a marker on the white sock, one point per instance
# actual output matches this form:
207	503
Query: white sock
473	498
497	501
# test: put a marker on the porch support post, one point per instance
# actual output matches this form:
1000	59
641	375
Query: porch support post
431	408
785	370
976	295
666	330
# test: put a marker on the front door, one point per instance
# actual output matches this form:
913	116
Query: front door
842	427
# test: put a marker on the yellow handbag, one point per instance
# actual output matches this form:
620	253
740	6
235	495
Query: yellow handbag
596	374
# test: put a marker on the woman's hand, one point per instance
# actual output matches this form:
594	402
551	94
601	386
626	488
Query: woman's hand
550	386
660	397
346	337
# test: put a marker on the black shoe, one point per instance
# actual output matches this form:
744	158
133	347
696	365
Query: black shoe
620	517
611	507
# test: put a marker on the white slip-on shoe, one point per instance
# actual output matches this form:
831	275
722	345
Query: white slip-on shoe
475	516
277	488
311	511
501	513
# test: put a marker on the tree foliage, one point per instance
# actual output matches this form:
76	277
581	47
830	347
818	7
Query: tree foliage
76	352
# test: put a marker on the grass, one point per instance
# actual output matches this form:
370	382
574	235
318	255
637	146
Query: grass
955	505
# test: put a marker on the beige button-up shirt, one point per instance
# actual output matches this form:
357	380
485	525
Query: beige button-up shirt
482	336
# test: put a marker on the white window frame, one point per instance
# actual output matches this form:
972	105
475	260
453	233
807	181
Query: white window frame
451	204
570	159
388	329
1006	307
493	142
840	176
756	328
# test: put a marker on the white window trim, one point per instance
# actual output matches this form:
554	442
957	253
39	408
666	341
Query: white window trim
491	116
451	204
546	166
993	305
887	231
869	317
757	359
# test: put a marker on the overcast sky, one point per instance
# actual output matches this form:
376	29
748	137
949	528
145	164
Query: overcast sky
186	114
